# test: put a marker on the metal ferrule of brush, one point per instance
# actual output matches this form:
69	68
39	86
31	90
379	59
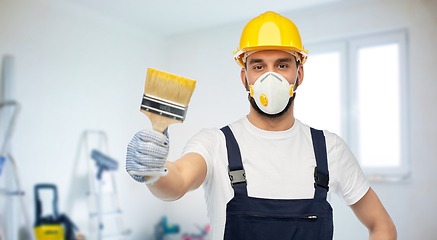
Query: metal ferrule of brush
163	107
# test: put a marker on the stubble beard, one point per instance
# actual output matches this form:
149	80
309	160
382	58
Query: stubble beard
271	116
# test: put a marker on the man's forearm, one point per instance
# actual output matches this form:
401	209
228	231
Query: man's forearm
386	231
383	235
373	215
170	187
185	174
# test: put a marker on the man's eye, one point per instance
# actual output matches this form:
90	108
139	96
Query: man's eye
282	66
258	67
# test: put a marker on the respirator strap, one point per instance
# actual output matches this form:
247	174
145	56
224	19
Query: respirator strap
295	79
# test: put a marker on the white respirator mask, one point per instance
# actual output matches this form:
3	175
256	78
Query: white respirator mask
272	92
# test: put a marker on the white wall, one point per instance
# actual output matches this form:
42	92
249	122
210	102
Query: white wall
77	70
220	98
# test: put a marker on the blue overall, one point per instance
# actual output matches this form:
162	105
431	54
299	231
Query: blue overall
257	218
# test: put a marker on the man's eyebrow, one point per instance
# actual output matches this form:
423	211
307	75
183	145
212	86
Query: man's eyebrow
255	60
283	60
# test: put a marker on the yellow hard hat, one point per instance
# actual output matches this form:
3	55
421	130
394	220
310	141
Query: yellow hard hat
270	30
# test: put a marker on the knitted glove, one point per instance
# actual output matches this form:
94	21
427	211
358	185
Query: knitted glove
146	156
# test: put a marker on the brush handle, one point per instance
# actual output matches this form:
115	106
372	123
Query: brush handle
159	122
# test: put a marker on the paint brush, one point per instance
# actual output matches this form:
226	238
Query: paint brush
166	97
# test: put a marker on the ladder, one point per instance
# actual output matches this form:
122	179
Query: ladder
6	155
105	212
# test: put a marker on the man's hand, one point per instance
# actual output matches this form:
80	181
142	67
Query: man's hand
146	156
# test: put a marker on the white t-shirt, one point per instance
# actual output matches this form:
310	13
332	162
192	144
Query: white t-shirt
278	165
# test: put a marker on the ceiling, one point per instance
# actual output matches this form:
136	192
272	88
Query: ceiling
168	17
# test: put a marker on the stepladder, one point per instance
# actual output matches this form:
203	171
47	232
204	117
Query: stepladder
105	213
8	116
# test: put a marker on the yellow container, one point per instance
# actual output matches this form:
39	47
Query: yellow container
49	232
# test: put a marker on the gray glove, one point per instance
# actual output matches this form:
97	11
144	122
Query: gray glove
146	156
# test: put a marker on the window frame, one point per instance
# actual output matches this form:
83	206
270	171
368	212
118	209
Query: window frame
348	48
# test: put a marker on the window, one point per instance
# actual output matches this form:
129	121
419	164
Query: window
357	88
378	104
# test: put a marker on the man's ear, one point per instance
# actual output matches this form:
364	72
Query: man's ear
243	79
300	75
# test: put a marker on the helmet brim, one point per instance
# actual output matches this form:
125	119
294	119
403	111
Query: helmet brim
238	55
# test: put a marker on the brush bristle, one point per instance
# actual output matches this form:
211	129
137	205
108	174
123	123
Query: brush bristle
168	86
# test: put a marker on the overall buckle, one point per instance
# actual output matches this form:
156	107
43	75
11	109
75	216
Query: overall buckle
321	180
237	176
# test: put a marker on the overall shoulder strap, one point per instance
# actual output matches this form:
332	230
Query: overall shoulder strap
321	173
236	171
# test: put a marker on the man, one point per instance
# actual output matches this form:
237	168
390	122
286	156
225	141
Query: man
266	176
